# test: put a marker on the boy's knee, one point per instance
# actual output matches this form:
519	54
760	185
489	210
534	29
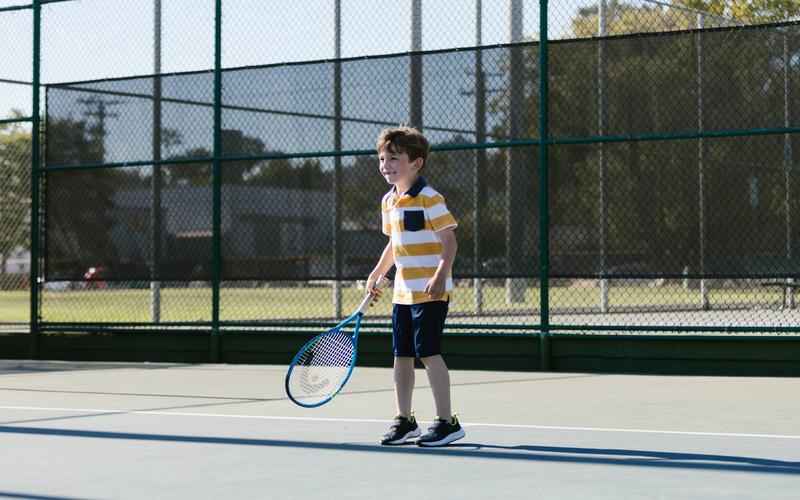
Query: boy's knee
404	361
427	360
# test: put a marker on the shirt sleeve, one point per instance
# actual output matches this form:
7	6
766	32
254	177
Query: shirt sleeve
386	226
438	214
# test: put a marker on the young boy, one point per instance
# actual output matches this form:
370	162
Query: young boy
422	246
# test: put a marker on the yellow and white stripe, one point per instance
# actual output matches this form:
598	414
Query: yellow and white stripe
417	253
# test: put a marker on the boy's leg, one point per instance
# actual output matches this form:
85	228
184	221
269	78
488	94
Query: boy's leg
430	318
403	384
404	427
439	378
445	428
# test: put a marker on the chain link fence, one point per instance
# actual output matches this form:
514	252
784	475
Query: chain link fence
672	127
15	167
15	162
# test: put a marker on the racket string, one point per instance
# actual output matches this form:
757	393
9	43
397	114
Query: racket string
332	349
322	367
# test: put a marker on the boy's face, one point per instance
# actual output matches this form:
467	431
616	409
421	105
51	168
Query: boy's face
397	169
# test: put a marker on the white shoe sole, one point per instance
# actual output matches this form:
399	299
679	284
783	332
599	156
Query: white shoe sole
446	440
409	436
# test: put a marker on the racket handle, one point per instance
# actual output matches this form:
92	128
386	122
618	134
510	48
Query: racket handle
368	298
364	304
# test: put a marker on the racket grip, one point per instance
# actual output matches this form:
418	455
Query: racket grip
368	297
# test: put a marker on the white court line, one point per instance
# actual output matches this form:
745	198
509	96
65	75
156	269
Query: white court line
380	421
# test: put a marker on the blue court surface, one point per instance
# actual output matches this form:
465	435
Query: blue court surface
116	430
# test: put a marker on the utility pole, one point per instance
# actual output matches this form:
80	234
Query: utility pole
517	172
337	160
602	116
155	180
788	160
97	107
480	160
416	65
701	153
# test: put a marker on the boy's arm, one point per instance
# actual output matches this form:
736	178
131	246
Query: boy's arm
436	285
381	268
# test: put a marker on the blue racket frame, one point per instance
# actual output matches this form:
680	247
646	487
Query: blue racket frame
356	316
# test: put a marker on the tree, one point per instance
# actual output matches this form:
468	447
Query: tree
363	189
625	18
305	173
15	189
79	204
653	188
234	142
748	11
628	18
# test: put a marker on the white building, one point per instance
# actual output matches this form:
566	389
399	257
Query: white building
18	262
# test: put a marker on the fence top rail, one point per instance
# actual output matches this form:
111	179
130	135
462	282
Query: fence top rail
15	82
30	6
309	62
12	8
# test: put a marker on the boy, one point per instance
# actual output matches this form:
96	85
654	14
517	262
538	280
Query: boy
422	246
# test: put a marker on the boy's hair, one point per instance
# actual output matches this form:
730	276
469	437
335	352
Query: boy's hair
404	140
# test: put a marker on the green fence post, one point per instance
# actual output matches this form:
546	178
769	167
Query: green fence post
544	204
35	181
216	177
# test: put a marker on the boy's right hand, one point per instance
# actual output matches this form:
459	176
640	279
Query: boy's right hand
373	288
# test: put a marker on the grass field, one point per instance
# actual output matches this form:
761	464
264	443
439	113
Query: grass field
273	303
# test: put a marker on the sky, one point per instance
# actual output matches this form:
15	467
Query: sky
92	39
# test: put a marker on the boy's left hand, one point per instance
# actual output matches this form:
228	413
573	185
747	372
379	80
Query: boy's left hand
436	285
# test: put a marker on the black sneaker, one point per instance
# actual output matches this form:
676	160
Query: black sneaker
403	429
442	432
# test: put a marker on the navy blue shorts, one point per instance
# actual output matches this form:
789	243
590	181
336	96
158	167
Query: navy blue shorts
417	328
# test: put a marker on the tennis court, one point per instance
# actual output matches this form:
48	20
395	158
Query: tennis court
108	430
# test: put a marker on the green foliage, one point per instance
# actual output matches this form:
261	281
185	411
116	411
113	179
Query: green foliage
625	17
748	11
15	190
653	188
80	201
295	174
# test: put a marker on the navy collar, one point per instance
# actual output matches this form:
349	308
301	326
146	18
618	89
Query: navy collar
415	189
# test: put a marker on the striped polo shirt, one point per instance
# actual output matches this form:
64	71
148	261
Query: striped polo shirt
412	220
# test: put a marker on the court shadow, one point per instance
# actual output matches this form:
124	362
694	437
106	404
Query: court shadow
30	496
642	457
18	367
552	454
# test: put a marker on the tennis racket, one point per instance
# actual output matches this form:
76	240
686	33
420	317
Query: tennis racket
324	364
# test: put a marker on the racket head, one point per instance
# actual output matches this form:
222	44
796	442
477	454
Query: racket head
323	366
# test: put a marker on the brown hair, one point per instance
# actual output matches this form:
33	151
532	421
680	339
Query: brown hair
404	140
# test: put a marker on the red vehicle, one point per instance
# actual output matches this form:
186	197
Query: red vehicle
93	278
